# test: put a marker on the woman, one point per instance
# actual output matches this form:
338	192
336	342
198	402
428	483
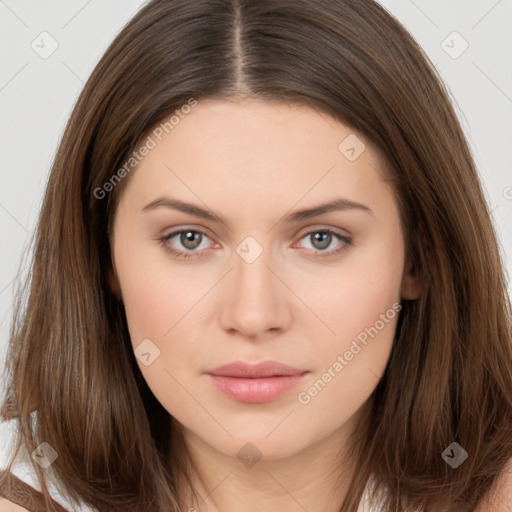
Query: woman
272	277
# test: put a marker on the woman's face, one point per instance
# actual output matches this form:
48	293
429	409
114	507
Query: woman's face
260	282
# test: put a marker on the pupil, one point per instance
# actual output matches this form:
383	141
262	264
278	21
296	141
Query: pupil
324	239
189	239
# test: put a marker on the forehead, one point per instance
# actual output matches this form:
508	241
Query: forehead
240	153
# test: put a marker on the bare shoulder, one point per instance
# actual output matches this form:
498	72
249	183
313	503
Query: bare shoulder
499	499
9	506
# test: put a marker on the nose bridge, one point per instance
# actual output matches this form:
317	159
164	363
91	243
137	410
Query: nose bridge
254	282
256	300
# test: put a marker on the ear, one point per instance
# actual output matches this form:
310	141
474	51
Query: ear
113	283
411	282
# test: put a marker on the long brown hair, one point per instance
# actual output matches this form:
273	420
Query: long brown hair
449	377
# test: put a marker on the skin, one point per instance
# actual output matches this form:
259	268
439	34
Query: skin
8	506
252	163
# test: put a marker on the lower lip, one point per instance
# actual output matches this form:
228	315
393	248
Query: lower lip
260	390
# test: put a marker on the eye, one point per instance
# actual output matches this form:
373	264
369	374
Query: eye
192	239
323	238
189	239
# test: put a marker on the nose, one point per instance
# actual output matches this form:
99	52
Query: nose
257	302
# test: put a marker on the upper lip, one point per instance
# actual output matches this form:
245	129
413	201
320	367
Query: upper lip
253	371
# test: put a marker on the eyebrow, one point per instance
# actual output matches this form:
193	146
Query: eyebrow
338	204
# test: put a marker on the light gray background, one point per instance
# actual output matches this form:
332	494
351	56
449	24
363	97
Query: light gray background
37	95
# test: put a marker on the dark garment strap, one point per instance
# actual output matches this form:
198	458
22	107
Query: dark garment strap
22	494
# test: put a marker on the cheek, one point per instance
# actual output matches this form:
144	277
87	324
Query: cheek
353	295
159	303
156	293
151	305
361	305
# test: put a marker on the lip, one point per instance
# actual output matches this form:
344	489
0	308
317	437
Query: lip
255	383
241	369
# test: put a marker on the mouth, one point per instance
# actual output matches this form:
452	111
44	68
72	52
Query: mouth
258	383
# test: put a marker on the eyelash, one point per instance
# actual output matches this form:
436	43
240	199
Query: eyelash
163	241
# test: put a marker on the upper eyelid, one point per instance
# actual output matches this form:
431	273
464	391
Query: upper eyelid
309	231
296	233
